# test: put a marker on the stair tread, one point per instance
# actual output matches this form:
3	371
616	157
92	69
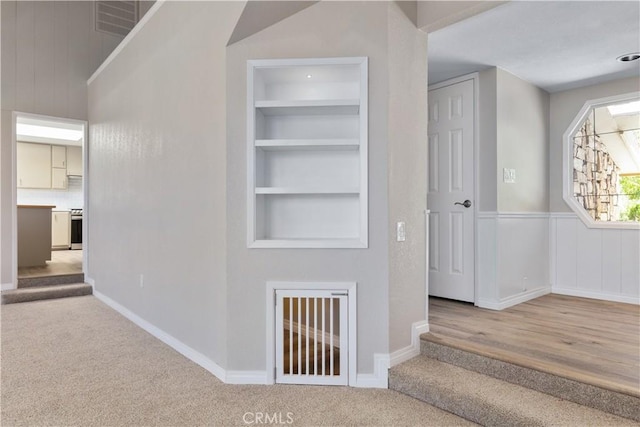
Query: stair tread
35	289
488	400
50	280
45	292
566	372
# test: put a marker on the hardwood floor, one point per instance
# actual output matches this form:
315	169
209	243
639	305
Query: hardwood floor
592	341
62	262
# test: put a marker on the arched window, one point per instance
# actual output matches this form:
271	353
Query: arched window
602	163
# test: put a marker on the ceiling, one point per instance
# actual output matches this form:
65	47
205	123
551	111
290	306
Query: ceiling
555	45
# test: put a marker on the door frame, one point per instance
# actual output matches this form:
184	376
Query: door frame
475	77
14	189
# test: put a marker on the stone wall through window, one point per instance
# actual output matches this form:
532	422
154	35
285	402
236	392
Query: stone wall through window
595	175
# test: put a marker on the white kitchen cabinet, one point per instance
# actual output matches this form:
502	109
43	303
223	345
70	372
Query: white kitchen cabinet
58	156
74	160
58	179
58	167
60	230
307	153
33	163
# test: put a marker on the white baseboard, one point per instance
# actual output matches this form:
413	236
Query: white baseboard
412	350
90	281
246	377
513	300
380	376
172	342
595	295
7	286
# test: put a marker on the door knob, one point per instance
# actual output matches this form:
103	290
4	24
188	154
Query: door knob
466	203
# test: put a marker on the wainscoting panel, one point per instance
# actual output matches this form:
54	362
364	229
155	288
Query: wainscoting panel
589	256
523	255
513	258
595	263
523	260
486	281
611	262
564	242
630	263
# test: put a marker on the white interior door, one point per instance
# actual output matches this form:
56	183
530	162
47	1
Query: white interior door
451	191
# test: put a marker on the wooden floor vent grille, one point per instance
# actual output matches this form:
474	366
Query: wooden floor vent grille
311	337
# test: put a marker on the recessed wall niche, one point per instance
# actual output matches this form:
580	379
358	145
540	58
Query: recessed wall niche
307	153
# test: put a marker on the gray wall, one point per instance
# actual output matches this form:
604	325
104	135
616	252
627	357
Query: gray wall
407	175
522	136
513	133
168	153
488	140
325	29
49	50
564	106
158	174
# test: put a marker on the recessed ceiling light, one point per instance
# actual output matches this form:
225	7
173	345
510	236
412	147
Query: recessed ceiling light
308	76
629	57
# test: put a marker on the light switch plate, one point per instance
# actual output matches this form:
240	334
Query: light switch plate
401	235
509	176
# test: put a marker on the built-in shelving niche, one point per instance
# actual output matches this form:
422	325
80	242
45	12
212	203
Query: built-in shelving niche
307	153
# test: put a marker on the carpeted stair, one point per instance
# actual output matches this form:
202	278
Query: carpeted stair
49	287
498	393
59	279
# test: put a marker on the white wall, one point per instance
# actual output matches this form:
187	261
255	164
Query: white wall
158	175
49	50
594	263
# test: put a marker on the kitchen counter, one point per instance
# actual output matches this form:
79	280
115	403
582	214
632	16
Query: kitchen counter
34	235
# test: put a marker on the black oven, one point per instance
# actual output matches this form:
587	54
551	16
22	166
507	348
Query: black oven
76	228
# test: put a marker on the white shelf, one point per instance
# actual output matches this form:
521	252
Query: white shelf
308	144
308	243
307	176
293	190
309	107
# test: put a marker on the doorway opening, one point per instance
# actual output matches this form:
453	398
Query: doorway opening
49	194
452	188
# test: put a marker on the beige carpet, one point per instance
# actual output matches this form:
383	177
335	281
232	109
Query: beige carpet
75	361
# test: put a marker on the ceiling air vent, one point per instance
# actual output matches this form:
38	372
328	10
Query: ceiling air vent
116	17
